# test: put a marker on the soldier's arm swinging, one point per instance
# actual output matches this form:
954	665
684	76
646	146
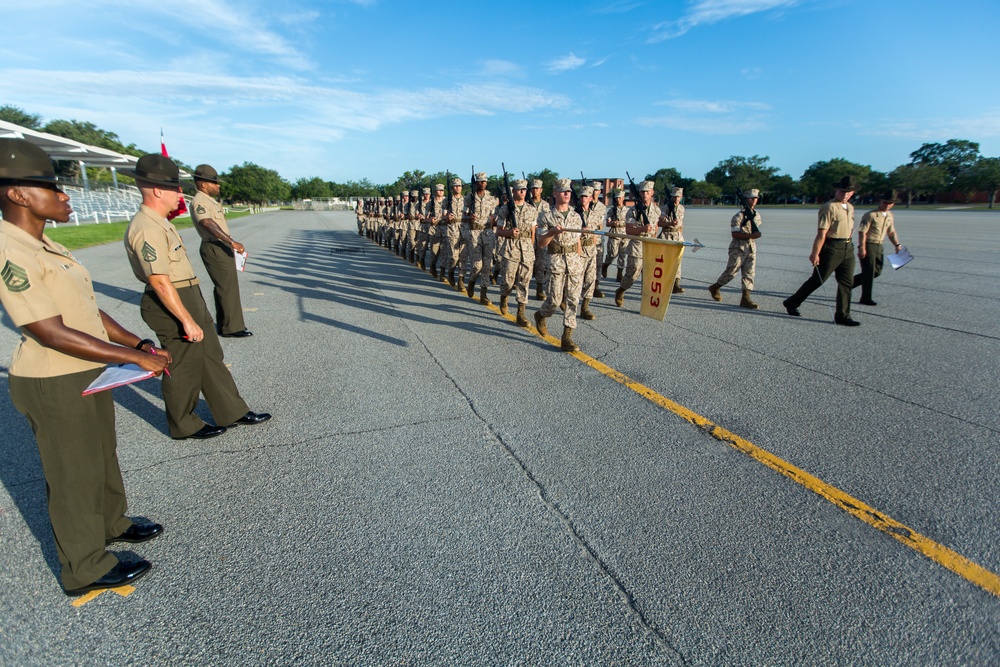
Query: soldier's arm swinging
171	300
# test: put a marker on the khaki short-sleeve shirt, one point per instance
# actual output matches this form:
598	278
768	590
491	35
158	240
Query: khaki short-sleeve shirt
41	280
875	225
837	218
204	207
153	246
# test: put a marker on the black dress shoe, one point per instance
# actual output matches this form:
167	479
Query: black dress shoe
237	334
251	418
868	302
792	310
120	574
847	322
205	432
138	533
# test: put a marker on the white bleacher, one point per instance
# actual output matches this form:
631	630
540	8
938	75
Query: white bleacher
103	205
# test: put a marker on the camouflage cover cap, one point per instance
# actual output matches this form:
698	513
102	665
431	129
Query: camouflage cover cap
414	193
426	191
439	186
404	193
597	185
563	185
481	176
647	186
21	160
457	181
536	183
586	191
677	192
619	194
206	172
752	193
520	184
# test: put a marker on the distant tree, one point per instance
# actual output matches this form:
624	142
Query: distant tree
254	184
548	179
982	176
19	116
704	190
818	179
782	187
919	178
739	173
954	156
875	183
311	188
666	178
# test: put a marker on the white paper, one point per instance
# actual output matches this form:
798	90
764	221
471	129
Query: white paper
900	259
117	376
241	260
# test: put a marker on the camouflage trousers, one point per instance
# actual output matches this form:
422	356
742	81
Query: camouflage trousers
589	260
564	283
672	236
516	276
633	265
541	267
742	257
480	244
450	248
617	250
422	241
410	243
435	243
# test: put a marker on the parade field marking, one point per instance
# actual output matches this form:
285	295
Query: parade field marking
939	553
123	591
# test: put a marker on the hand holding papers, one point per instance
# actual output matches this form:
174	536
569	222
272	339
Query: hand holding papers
117	376
241	260
900	259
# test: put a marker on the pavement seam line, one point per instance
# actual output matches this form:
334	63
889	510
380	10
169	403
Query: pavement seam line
627	598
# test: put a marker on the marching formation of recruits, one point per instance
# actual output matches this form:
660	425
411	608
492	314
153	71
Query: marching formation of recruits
458	239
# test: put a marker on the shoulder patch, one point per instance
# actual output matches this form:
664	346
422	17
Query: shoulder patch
14	277
200	209
148	252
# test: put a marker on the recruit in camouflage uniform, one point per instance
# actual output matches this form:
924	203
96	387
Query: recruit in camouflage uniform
478	235
565	269
410	225
742	252
617	248
672	228
593	219
438	230
597	205
541	257
424	227
634	227
452	237
517	247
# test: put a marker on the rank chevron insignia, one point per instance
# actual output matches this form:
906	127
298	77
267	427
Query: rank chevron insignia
14	277
148	252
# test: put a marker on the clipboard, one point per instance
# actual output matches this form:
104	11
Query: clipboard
117	376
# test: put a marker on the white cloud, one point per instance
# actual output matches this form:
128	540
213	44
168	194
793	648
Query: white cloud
707	12
704	125
708	106
498	68
985	125
565	64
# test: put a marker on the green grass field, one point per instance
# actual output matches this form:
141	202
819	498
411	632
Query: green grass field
84	236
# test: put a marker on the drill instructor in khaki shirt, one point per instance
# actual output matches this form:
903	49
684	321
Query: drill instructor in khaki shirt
66	340
173	307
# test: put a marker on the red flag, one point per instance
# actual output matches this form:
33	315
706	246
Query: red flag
181	204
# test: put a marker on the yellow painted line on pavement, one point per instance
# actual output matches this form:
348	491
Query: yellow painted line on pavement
939	553
123	591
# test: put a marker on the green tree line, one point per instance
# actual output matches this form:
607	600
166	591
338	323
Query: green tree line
953	166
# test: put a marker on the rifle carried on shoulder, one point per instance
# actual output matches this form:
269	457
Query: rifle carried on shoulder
641	213
748	212
508	199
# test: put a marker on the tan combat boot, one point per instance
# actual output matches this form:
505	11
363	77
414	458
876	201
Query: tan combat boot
521	320
745	302
483	299
619	297
713	289
677	286
567	341
470	289
539	294
451	277
460	285
598	294
540	324
585	313
503	303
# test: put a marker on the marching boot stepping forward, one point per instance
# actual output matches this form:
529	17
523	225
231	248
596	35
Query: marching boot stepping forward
521	321
585	313
540	324
745	302
713	289
567	341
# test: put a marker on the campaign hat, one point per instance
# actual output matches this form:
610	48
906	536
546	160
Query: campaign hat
21	160
206	172
156	169
891	196
847	183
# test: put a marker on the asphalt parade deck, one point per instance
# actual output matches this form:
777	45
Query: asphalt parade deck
440	486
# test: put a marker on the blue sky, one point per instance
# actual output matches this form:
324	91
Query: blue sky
372	88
